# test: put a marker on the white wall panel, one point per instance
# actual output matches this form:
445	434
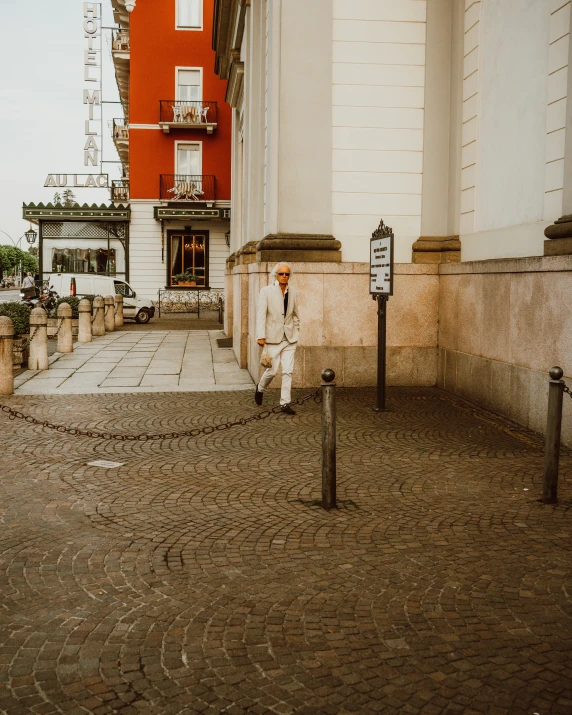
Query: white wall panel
383	117
367	31
376	183
385	10
380	161
379	53
370	138
378	102
363	96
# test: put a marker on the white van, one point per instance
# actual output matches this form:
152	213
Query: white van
137	309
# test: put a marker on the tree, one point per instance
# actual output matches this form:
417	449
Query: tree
57	199
68	199
11	258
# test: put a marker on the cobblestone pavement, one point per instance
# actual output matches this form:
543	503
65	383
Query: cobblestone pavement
200	576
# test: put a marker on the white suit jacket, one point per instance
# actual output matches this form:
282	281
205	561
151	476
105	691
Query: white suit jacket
271	323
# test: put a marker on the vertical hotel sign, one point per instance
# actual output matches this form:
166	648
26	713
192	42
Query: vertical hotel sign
92	76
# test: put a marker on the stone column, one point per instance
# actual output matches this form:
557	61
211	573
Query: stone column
98	325
6	359
560	232
298	225
38	359
118	311
65	336
84	322
109	313
439	242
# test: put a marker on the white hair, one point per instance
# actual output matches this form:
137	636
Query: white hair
275	270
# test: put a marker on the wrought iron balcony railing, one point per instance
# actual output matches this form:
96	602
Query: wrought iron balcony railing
120	130
183	114
120	190
120	41
185	187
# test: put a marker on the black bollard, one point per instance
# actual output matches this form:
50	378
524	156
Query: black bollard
553	430
328	440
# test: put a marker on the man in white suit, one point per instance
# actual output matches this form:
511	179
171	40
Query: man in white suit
277	327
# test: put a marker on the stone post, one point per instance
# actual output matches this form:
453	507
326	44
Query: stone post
84	327
38	359
98	325
65	337
118	311
109	314
6	361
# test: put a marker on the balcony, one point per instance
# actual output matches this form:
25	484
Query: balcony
120	191
189	188
120	52
181	114
120	133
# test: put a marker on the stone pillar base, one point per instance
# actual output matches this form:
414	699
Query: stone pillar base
437	249
298	247
558	247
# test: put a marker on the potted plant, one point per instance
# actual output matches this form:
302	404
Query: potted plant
185	279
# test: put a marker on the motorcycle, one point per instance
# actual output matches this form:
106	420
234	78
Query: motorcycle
46	300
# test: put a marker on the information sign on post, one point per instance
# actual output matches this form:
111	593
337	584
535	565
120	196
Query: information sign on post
381	287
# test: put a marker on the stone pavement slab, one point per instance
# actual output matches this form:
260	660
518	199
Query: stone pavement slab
138	362
200	575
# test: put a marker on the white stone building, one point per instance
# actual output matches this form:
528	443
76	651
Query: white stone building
446	118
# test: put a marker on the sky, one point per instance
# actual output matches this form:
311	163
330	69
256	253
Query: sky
42	115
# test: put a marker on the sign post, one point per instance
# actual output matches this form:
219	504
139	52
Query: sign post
380	288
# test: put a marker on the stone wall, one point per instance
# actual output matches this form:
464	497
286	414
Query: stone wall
339	323
502	325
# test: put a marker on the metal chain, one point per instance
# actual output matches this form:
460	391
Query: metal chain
15	415
567	390
95	309
26	344
107	310
55	335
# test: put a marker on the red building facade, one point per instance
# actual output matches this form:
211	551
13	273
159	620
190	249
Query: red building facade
174	144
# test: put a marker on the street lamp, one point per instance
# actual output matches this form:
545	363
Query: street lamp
31	236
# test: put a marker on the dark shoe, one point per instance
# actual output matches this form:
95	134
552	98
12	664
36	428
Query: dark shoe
288	410
258	396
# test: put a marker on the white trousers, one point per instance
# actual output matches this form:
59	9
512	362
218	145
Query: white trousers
280	353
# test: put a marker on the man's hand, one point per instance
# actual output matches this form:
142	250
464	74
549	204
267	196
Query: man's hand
262	341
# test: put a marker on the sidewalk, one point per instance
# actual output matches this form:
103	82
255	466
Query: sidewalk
143	361
198	575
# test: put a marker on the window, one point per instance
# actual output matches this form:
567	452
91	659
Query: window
189	161
84	260
188	258
189	14
188	85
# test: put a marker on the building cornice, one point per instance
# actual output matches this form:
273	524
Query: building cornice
235	83
228	31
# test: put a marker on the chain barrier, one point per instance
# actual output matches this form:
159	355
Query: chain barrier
567	390
95	309
26	344
55	335
107	310
209	429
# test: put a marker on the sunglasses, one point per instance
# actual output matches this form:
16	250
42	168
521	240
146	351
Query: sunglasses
282	274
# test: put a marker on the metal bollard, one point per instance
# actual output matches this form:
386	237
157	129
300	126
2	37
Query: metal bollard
328	440
553	430
6	361
65	336
38	359
98	325
84	322
118	311
109	314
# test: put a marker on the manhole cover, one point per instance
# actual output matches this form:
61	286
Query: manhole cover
104	464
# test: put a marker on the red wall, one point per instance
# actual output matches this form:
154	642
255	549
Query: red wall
156	49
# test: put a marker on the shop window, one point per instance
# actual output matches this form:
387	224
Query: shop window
189	14
188	256
84	260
